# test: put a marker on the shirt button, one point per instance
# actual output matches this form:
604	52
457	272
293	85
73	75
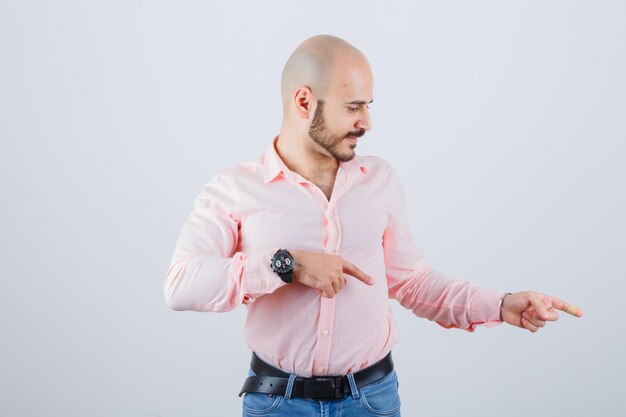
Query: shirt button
324	332
320	369
264	284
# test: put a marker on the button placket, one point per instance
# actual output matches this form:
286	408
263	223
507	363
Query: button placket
338	233
324	339
331	243
331	237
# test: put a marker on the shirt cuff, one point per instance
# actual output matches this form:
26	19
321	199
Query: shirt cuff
485	308
259	278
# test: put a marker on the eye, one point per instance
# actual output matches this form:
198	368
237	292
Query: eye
353	109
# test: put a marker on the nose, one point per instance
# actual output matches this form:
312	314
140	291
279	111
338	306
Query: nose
364	121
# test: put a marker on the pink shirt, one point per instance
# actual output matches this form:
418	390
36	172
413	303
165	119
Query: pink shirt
246	213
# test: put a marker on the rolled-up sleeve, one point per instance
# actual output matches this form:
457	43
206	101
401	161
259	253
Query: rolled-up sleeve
205	272
417	286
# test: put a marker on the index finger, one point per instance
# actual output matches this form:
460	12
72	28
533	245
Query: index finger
563	306
351	269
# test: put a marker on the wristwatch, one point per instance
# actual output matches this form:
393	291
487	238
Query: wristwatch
283	264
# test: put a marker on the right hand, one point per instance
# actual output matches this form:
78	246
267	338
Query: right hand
531	310
324	271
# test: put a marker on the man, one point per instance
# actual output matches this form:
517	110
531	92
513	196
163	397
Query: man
314	241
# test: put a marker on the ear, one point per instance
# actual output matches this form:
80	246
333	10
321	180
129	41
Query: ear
303	99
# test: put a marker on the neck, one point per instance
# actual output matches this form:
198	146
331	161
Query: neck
304	156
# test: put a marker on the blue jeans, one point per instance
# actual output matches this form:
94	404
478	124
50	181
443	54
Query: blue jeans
379	398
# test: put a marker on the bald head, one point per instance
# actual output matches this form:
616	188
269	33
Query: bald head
315	62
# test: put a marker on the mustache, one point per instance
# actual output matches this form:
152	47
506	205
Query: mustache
357	133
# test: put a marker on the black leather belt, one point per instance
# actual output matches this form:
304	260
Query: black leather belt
271	380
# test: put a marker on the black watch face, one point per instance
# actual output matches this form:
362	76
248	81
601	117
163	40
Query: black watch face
283	262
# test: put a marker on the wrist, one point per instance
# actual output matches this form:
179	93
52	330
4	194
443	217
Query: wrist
501	303
282	263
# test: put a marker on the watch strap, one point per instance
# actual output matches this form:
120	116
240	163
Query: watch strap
287	277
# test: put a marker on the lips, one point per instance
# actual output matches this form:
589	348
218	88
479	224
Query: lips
353	136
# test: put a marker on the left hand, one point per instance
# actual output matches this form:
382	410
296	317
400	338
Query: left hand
531	310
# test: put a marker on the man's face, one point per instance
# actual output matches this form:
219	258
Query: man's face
337	144
340	120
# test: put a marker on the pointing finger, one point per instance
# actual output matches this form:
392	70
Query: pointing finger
568	308
351	269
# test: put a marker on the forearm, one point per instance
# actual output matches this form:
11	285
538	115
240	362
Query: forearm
450	302
208	283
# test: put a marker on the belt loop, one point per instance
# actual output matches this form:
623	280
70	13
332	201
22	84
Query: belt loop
353	387
289	389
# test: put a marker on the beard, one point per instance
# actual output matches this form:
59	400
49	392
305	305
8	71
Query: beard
321	134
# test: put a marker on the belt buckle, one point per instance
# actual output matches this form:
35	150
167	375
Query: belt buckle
322	388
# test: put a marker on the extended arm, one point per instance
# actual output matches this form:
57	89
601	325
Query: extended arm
428	292
450	302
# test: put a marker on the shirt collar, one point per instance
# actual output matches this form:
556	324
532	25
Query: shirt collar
274	165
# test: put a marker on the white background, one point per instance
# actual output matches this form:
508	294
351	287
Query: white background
505	120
